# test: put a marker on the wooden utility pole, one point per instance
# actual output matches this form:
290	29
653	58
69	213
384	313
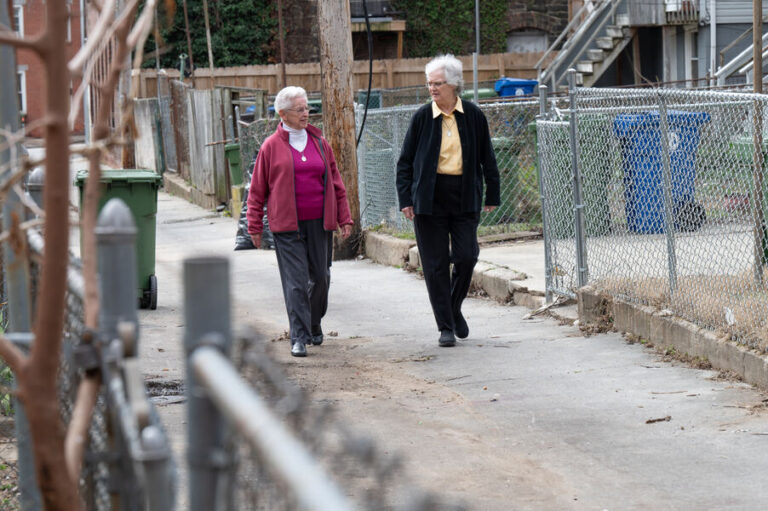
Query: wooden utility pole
759	228
281	37
335	30
189	47
208	40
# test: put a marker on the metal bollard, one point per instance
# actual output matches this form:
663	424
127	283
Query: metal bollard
207	319
116	240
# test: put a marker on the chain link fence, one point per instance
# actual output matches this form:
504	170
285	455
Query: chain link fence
514	142
670	202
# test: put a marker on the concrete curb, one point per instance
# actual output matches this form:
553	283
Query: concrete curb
663	329
499	283
175	185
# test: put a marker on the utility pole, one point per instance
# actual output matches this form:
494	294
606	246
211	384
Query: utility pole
759	227
281	37
189	47
208	40
335	30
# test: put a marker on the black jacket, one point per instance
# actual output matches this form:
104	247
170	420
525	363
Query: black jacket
417	165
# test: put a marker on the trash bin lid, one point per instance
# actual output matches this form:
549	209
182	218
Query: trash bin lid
513	82
122	175
623	124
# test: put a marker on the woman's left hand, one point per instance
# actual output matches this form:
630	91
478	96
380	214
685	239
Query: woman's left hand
345	231
488	209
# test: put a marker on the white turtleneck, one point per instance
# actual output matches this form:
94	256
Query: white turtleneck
297	138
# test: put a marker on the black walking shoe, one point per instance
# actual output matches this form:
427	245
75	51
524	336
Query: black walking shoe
317	339
462	330
298	349
447	339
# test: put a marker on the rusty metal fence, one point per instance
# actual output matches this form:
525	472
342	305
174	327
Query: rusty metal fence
658	196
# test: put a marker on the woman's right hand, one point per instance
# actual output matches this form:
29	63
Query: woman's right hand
256	239
408	212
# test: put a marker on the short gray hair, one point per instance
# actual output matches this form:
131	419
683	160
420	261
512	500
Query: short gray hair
451	66
284	98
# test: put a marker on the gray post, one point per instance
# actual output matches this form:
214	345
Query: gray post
578	201
207	319
669	211
116	239
116	242
476	55
542	199
35	185
16	282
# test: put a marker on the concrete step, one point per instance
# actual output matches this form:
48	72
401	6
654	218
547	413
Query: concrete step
595	55
585	67
614	31
605	43
622	20
579	79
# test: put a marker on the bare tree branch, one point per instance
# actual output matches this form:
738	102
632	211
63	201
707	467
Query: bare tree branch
12	38
13	356
77	434
95	39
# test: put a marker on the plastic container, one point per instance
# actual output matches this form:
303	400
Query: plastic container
515	86
232	152
138	189
640	138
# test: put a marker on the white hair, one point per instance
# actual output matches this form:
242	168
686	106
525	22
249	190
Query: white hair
452	68
284	99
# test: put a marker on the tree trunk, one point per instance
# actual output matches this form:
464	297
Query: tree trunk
338	108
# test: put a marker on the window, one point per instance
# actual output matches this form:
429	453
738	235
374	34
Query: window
21	73
18	19
527	41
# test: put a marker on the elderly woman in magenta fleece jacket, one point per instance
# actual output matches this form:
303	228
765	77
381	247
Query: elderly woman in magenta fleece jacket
296	176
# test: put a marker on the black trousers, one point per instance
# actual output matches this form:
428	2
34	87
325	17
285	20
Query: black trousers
304	261
444	237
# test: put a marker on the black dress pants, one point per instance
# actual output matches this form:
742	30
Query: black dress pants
304	261
444	237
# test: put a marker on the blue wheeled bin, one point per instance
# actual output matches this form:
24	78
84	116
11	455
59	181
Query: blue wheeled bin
515	86
639	135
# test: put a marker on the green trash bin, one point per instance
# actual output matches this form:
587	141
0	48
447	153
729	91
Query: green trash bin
232	152
138	189
506	150
742	149
597	161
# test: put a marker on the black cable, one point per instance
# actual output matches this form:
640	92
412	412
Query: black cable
370	70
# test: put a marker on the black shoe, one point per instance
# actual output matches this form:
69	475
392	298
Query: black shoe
317	339
447	339
462	330
298	349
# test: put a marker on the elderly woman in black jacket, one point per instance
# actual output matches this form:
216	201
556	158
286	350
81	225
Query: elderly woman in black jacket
446	156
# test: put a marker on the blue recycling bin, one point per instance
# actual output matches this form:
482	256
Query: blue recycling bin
639	135
514	86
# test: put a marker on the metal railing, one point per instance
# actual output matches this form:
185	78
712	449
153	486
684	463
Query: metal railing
127	460
670	204
259	442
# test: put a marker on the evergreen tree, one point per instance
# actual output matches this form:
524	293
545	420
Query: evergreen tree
243	32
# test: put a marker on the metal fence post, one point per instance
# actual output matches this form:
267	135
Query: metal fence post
16	269
669	212
542	199
207	319
758	213
116	238
578	201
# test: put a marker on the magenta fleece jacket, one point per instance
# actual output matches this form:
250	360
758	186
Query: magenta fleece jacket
273	183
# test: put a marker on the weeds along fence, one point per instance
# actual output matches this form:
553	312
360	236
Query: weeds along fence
514	142
658	196
127	463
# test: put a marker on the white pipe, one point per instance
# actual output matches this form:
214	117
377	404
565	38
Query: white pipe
712	40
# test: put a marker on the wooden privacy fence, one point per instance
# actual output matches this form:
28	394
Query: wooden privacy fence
387	74
184	131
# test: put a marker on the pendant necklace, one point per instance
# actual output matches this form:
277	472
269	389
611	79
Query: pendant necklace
448	131
303	158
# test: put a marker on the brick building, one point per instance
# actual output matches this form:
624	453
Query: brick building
29	20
